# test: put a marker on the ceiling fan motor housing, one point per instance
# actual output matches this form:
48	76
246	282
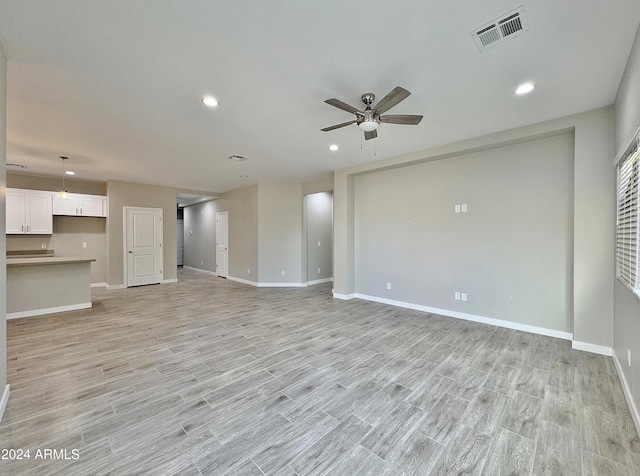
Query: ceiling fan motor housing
368	98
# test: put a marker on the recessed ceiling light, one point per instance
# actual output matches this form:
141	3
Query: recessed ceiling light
70	172
333	147
525	88
210	101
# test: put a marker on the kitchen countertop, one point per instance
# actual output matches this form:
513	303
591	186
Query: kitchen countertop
46	260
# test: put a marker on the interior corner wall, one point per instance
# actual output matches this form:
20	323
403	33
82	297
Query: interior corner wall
627	305
121	194
242	205
593	215
3	190
280	234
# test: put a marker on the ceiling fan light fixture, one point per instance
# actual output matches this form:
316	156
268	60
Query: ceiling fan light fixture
368	126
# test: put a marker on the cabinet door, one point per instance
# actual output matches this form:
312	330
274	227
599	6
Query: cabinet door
65	206
91	206
15	212
39	219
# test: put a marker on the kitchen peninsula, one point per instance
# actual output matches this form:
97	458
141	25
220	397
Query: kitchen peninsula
42	283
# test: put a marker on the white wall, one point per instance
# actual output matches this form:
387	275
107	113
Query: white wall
593	216
627	305
511	252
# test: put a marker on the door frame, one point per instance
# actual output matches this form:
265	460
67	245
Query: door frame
125	255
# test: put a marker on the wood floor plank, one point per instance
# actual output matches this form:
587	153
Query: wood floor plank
210	376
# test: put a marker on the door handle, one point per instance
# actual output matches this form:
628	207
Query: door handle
130	251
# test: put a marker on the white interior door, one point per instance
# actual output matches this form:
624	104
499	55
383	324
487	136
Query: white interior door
143	232
222	244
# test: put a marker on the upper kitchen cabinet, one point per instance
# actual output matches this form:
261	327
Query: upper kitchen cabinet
77	204
29	212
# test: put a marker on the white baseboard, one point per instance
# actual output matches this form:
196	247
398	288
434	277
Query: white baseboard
48	310
5	400
169	281
593	348
205	271
99	285
633	409
111	287
282	285
243	281
469	317
320	281
344	297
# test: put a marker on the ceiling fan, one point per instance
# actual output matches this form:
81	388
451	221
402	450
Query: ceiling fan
369	119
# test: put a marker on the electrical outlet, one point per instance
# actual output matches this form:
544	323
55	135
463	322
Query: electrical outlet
457	295
44	246
84	245
283	272
457	208
388	285
463	208
629	357
318	270
202	262
463	296
318	243
248	271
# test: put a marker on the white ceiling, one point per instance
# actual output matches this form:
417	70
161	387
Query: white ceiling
116	85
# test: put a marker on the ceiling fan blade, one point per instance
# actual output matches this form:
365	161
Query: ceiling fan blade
370	134
342	105
338	126
394	97
409	119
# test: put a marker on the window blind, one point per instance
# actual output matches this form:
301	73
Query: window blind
627	220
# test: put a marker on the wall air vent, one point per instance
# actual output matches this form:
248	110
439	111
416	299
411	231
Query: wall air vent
18	166
238	158
510	25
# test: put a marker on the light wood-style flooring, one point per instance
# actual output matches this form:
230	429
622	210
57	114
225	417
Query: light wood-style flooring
212	377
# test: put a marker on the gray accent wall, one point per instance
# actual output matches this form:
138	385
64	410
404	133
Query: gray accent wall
593	224
627	305
510	253
3	253
200	236
280	233
318	231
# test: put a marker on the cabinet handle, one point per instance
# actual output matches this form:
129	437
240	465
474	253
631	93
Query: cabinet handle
80	210
76	210
27	228
22	228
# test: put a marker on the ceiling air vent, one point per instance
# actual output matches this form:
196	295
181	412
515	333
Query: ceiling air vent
238	158
492	34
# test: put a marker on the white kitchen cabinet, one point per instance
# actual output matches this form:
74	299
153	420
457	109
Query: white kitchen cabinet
77	204
28	212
